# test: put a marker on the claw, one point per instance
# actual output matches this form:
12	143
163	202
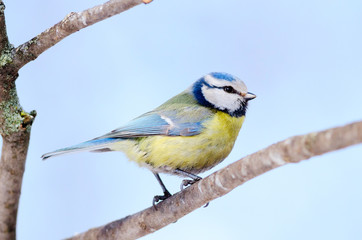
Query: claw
188	182
159	198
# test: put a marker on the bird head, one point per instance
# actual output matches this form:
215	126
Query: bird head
223	92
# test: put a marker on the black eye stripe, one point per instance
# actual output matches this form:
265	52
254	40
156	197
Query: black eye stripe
229	89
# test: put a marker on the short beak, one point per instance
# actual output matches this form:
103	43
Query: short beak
249	96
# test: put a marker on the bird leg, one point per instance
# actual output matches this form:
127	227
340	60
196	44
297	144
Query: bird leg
187	182
166	193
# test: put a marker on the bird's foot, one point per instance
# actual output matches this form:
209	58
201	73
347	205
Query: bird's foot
188	182
159	198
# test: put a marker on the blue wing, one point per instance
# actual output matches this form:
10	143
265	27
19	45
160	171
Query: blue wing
181	122
180	116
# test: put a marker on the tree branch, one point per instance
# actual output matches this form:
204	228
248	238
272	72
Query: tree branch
12	166
73	22
15	129
291	150
4	41
15	126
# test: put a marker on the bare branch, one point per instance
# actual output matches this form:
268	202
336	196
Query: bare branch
73	22
15	126
12	165
291	150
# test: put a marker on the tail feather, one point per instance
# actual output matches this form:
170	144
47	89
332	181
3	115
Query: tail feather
92	145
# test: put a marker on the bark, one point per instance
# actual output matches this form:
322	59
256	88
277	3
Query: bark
3	35
12	164
15	137
291	150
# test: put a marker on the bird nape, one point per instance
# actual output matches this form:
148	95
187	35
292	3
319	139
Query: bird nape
188	134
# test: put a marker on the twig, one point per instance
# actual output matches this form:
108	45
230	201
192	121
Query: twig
291	150
73	22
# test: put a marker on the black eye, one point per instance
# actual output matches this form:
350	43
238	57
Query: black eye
229	89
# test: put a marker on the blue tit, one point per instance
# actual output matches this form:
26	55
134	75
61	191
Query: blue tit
189	134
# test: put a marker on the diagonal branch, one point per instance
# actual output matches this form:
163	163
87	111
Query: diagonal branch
73	22
291	150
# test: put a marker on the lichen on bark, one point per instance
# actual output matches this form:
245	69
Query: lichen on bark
5	59
10	114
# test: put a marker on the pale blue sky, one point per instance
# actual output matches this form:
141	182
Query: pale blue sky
303	59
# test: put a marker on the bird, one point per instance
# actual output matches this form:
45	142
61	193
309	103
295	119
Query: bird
187	135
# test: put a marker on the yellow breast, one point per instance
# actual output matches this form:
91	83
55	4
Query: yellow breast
194	153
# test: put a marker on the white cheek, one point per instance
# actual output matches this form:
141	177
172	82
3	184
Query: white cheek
221	99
